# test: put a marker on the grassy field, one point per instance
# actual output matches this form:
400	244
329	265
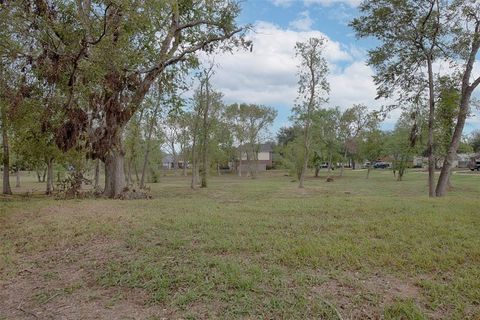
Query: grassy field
250	249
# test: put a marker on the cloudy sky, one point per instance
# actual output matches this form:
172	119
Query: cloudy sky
267	75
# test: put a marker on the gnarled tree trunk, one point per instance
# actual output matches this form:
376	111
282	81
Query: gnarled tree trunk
114	173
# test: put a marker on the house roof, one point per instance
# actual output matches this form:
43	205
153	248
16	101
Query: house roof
266	147
263	147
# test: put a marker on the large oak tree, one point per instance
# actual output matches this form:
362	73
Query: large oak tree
102	57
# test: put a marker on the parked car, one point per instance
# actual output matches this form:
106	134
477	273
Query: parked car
324	165
474	165
366	164
381	165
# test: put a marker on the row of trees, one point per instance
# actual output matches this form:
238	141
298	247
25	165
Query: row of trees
202	133
414	37
81	70
353	137
85	83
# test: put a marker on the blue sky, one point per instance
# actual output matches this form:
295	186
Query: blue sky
268	74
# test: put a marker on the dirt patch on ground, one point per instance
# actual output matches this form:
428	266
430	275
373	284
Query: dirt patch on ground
61	284
360	297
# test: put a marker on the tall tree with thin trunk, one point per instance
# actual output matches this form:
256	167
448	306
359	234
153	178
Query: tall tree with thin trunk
464	19
410	34
151	125
237	120
313	89
206	101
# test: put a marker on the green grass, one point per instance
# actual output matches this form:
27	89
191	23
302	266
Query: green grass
262	248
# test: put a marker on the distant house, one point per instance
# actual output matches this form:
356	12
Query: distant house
259	160
168	162
462	160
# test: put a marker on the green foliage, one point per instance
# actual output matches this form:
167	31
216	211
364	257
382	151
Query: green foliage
372	145
292	157
446	114
409	34
325	134
88	66
287	134
475	141
402	143
313	87
249	124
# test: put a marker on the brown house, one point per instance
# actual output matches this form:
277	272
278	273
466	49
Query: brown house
256	160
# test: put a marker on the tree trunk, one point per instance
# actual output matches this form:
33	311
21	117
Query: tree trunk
137	177
6	157
368	170
305	154
39	177
431	120
442	184
97	174
449	182
175	166
145	163
17	174
343	163
49	189
184	159
129	172
330	162
44	174
401	168
254	171
114	174
240	164
147	148
193	183
204	169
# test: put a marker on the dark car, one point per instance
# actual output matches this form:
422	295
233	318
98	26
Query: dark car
474	165
381	165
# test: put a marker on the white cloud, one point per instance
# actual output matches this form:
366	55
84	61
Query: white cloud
353	85
303	23
328	3
268	75
282	3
